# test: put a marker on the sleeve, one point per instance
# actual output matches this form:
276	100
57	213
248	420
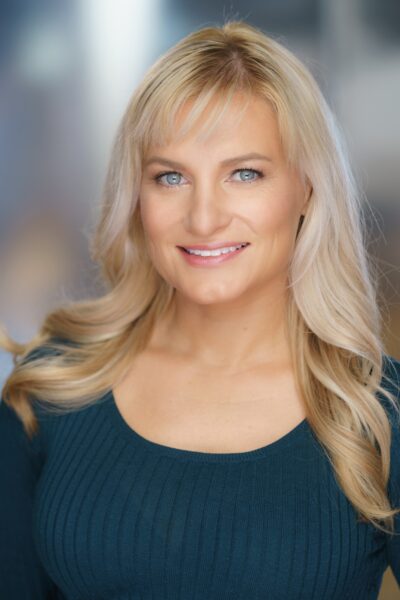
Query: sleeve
393	541
22	576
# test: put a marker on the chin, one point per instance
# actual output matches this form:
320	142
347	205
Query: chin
210	297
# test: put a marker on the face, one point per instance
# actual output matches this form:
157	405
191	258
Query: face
200	192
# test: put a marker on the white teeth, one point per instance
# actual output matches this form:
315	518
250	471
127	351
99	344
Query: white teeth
215	252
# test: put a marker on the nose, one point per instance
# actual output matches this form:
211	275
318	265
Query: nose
207	209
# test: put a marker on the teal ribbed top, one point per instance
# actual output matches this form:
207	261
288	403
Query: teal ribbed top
90	509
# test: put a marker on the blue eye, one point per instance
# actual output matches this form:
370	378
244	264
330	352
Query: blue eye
248	174
171	176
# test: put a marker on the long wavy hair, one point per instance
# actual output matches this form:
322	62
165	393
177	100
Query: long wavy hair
333	319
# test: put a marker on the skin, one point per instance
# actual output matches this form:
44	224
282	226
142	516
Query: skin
232	315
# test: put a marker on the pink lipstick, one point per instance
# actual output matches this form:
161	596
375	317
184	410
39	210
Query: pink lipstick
210	261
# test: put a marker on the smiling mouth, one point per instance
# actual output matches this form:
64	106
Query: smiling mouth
216	251
211	258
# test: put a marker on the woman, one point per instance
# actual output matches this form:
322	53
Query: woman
223	422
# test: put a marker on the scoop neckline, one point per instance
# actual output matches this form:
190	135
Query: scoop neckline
131	434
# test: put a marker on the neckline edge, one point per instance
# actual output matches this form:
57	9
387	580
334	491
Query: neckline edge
184	453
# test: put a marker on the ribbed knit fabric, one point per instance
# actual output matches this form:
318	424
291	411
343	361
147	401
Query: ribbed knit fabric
90	509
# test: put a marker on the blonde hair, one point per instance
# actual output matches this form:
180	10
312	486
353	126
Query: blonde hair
333	319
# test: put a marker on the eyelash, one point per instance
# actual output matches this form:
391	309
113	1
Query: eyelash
260	174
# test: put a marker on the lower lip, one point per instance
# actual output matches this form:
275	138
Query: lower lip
210	261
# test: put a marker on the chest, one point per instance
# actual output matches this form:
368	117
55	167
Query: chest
113	520
208	410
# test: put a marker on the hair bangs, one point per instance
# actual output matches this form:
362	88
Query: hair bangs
181	113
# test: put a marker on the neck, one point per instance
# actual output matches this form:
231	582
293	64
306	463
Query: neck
232	336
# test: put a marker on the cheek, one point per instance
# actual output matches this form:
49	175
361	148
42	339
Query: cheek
274	222
157	226
273	214
156	219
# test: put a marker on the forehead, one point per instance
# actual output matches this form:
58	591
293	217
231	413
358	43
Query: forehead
242	118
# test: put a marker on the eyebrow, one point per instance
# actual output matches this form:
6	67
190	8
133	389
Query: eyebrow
227	161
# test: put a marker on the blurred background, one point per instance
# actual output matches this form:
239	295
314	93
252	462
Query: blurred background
67	71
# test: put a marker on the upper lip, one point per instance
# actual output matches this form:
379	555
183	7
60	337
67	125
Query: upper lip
212	245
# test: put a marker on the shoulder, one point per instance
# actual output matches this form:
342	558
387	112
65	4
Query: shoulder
391	370
391	382
18	452
13	437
